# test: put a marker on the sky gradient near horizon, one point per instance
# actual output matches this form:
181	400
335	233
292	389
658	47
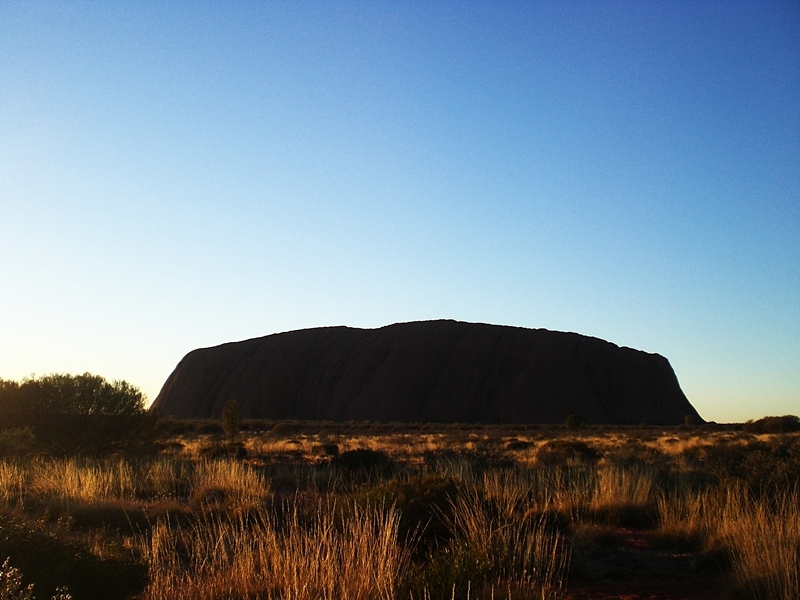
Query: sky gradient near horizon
177	175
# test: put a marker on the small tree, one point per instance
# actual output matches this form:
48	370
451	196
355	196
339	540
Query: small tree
231	418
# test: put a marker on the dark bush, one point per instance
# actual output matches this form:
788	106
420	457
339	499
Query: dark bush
171	426
635	452
284	428
85	394
784	424
48	558
451	572
211	428
479	460
71	414
364	461
561	452
224	449
256	425
574	422
327	449
18	441
425	505
518	445
762	466
71	434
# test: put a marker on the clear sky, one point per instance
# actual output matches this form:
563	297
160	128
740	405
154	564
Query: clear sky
182	174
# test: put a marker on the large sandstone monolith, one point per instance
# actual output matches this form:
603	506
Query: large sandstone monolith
442	371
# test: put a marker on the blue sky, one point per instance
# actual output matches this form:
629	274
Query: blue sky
176	175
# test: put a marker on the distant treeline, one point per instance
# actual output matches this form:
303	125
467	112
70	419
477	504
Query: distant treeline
85	394
63	414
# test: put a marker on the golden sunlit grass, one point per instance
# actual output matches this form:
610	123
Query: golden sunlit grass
283	521
519	549
88	482
81	481
230	482
255	557
764	539
761	537
12	483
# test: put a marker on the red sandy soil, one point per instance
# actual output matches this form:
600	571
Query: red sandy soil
639	570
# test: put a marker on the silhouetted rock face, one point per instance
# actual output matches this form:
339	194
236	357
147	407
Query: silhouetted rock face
444	371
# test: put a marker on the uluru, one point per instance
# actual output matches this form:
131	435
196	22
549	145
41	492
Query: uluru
428	371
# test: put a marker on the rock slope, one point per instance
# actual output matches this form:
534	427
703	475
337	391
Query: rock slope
439	371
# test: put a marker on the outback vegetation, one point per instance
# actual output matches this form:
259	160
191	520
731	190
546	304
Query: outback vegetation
232	509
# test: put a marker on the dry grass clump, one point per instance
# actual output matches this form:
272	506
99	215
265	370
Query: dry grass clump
89	481
78	481
610	493
258	557
623	495
761	536
12	483
163	478
497	547
685	515
508	548
228	482
764	539
82	481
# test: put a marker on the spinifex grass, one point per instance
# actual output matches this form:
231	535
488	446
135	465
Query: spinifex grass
764	538
514	549
228	482
87	481
259	556
274	526
82	481
12	483
760	535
